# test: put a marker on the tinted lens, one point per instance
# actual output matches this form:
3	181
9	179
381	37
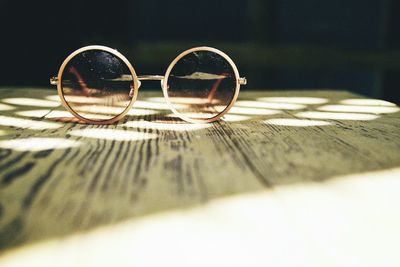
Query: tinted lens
201	85
97	85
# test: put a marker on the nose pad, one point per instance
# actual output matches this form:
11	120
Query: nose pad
132	91
162	85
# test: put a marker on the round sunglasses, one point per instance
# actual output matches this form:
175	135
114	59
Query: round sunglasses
98	85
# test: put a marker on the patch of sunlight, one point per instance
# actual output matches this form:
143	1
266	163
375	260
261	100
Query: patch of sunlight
269	105
226	117
40	113
253	111
296	122
109	110
156	99
350	220
38	144
295	100
2	132
87	100
100	100
5	107
59	114
206	113
195	115
360	109
31	102
166	126
235	118
367	102
112	134
193	100
141	112
337	116
184	100
28	124
156	105
53	97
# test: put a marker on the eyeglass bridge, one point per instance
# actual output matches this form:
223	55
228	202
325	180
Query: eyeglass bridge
151	78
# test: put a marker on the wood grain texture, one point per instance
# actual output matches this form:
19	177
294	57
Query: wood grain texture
59	177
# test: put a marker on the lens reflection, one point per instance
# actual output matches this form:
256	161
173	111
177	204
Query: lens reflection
201	85
97	85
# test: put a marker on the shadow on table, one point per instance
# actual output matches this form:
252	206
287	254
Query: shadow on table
58	178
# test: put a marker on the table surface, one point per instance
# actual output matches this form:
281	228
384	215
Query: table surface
288	178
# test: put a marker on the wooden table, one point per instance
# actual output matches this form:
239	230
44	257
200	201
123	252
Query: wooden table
293	178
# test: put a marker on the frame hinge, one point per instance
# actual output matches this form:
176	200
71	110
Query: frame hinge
243	81
54	80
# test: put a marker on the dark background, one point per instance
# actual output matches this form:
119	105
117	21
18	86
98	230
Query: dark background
277	44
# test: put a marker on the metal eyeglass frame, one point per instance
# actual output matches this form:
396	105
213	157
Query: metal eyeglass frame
137	82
